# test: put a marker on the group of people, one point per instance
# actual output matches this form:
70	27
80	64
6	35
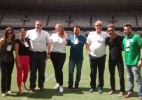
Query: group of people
132	47
35	46
30	54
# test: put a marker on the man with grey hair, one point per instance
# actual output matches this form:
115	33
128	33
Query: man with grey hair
96	49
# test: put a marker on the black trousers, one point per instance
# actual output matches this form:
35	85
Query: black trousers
37	63
58	60
120	67
97	63
6	72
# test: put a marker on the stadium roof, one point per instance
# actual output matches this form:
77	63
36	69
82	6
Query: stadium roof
71	5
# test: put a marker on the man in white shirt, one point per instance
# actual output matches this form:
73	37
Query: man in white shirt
39	40
96	49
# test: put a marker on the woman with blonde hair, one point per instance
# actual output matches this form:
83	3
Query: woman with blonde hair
58	54
7	59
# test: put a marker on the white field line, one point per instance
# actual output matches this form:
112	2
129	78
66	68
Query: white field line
48	78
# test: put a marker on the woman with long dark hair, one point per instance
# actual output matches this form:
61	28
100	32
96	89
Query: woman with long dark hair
7	59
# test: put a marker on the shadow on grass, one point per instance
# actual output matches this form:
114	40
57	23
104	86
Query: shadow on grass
49	93
46	94
81	90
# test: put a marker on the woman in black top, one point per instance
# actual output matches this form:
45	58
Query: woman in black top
7	59
22	58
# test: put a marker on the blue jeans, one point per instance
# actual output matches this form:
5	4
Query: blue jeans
134	72
72	64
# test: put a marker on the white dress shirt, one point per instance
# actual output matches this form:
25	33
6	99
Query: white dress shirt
38	40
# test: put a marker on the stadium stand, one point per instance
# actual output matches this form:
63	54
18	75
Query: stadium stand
83	20
13	19
36	16
140	19
125	17
104	17
55	18
68	20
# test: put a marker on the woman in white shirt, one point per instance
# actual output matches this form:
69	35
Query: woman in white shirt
58	54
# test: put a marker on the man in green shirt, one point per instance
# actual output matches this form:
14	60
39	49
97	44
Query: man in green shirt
132	44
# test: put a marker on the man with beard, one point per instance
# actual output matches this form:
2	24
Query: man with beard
132	44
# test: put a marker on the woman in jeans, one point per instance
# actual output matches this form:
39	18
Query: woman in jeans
58	54
22	58
7	60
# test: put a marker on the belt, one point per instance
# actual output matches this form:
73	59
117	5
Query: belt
56	52
24	56
38	51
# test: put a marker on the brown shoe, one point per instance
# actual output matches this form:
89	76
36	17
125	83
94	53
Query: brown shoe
42	89
128	95
120	94
111	92
32	91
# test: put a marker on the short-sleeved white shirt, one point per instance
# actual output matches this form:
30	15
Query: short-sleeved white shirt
97	43
38	40
58	44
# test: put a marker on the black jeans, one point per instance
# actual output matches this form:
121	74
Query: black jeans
58	60
6	72
37	62
120	67
97	62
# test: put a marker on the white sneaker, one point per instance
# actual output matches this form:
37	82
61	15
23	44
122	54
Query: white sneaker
61	89
9	92
57	86
4	94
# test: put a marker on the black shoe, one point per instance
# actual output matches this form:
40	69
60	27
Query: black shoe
100	91
91	90
76	88
69	87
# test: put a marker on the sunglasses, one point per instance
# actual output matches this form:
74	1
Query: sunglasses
10	33
39	25
110	30
98	25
